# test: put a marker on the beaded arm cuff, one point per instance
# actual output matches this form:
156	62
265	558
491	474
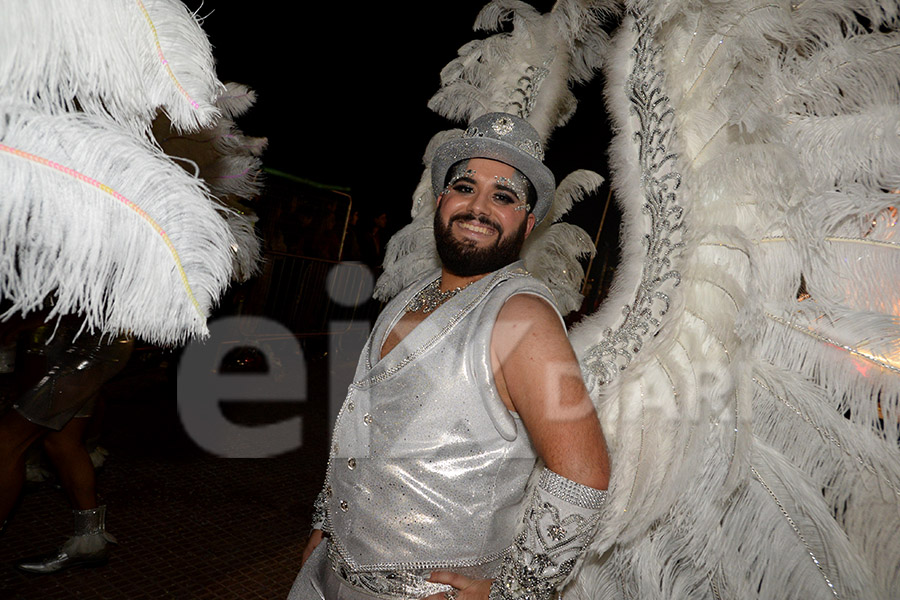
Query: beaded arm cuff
558	525
318	516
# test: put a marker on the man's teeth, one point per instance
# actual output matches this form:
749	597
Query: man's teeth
476	228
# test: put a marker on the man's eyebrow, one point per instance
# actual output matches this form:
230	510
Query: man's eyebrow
506	188
467	177
506	184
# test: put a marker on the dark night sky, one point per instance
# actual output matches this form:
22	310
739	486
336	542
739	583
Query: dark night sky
342	91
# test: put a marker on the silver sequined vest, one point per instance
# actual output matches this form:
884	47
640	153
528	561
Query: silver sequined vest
428	468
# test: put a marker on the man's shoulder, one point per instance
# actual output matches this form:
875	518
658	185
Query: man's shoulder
524	290
516	279
530	308
529	325
528	305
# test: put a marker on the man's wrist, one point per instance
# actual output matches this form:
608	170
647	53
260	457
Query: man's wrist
554	533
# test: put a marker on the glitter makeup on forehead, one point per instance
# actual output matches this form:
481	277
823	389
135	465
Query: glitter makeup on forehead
458	176
513	185
517	187
517	182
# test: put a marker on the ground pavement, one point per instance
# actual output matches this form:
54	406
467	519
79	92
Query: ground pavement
190	525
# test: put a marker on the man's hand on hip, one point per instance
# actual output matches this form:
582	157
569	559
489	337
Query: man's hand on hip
315	538
463	587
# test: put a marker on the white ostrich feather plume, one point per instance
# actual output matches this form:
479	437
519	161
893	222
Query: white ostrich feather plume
229	163
100	222
121	58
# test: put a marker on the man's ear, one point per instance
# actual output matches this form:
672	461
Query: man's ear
530	224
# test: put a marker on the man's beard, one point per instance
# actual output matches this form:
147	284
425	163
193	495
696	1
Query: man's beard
464	259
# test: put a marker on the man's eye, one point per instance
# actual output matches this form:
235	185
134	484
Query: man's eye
504	199
462	188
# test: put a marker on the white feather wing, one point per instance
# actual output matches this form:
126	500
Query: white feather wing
747	365
525	71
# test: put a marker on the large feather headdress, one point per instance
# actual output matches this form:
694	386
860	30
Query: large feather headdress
526	72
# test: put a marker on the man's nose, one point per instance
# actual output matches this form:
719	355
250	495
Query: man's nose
480	203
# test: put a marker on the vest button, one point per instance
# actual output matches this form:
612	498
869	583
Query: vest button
351	407
367	419
351	463
344	506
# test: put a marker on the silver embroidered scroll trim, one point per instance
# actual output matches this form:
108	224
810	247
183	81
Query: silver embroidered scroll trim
386	584
408	580
660	183
529	85
319	508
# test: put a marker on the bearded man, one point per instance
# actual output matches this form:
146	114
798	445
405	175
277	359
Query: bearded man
467	460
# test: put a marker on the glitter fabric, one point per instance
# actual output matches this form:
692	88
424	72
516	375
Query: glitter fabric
571	491
440	467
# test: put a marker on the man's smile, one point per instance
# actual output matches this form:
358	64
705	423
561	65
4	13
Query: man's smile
475	226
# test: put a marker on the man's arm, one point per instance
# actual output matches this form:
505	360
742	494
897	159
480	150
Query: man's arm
538	376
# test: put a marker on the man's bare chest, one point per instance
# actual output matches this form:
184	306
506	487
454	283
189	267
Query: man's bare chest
401	329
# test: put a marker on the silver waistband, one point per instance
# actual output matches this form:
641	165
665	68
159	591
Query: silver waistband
391	585
406	584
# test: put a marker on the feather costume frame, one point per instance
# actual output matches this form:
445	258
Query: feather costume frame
746	365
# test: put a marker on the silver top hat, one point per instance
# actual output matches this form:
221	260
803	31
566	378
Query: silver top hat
508	139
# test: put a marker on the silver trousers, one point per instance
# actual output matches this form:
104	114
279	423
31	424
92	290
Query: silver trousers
317	581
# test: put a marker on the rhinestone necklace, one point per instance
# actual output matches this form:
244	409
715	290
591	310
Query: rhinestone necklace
431	296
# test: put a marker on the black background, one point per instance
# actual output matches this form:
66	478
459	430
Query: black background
343	91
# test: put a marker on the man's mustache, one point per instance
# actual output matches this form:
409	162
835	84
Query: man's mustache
480	218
